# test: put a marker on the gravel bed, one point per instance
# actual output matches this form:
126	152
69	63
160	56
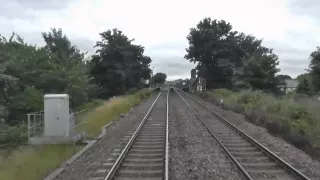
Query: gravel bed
193	153
89	162
294	156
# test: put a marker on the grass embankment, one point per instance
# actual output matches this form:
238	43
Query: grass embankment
295	118
110	110
35	163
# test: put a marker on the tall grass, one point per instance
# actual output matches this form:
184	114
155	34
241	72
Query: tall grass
90	105
110	110
295	118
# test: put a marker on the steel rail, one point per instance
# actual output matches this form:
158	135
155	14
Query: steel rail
124	152
256	143
167	140
244	172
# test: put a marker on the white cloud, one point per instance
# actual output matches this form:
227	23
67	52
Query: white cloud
162	26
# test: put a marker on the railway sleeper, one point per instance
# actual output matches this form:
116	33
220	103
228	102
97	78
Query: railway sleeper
137	178
139	173
145	166
240	149
269	174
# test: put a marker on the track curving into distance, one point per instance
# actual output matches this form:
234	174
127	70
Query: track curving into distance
146	154
254	160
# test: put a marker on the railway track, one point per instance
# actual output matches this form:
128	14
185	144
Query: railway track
145	156
254	160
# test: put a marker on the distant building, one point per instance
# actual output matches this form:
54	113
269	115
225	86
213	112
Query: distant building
290	85
196	84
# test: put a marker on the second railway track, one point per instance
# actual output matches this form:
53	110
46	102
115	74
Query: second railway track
254	160
146	154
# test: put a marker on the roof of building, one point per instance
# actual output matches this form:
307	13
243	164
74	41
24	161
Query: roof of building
291	83
54	96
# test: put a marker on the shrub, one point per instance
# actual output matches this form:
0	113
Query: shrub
257	117
13	136
223	92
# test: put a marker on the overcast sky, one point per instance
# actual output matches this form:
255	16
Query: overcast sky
288	26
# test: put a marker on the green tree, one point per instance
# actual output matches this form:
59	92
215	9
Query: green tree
314	68
27	72
19	71
15	56
305	75
223	56
209	46
283	77
118	65
305	86
260	72
159	78
66	71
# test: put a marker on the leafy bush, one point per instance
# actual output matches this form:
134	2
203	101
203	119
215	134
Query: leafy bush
13	136
30	100
296	117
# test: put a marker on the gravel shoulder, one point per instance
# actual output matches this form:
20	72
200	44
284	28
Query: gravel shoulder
194	154
86	166
294	156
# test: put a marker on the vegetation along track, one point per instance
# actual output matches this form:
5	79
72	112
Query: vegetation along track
253	159
146	154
